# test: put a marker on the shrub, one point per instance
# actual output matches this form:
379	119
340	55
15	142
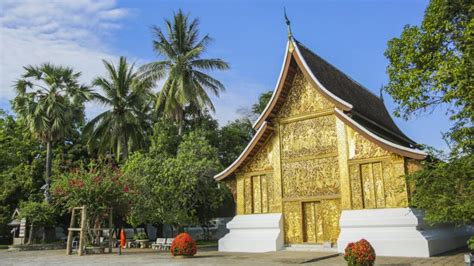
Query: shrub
183	245
140	236
360	253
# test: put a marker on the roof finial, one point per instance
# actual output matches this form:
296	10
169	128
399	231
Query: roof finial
290	35
381	93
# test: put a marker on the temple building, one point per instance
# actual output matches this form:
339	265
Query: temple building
326	167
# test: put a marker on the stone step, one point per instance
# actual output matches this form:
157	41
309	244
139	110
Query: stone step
311	247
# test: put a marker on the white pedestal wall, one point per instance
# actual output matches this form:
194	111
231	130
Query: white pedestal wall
399	232
254	233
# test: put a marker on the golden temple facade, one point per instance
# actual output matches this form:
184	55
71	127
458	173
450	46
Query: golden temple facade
316	153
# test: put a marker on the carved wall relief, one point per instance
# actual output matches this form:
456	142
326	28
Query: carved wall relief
240	194
309	137
293	222
303	98
312	221
379	184
310	178
262	160
258	193
362	148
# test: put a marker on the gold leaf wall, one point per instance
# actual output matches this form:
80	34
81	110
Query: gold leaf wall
313	166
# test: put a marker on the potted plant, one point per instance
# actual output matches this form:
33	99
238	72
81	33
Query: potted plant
183	246
360	253
469	257
142	239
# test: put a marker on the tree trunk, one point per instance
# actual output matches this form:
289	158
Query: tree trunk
47	179
30	235
180	122
125	149
117	155
43	235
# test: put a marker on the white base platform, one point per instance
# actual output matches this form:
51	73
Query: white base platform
399	232
254	233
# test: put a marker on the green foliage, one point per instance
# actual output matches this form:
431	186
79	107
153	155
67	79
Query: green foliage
233	138
21	168
432	65
177	189
446	190
140	236
470	243
123	126
38	213
263	100
187	83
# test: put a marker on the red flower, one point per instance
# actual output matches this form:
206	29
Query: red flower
125	189
183	245
359	253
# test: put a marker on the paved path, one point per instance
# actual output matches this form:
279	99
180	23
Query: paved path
209	257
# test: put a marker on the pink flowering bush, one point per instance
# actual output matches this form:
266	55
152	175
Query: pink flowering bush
360	253
98	186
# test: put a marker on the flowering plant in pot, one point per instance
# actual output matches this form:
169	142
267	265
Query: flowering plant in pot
183	246
360	253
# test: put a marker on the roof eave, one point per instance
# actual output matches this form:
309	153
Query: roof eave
238	162
393	147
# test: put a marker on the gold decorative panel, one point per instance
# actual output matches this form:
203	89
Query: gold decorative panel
309	137
330	211
362	148
303	98
395	184
293	222
356	187
248	193
257	194
264	193
310	178
262	160
240	204
368	185
378	184
310	220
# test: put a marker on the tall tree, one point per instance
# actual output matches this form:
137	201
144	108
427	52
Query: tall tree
122	126
187	83
432	65
51	102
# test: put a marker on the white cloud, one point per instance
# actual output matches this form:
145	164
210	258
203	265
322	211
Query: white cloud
61	32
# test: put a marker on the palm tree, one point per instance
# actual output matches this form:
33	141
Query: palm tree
122	126
187	83
51	103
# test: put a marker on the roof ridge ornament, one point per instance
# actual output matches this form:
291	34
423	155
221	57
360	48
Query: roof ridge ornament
287	21
381	93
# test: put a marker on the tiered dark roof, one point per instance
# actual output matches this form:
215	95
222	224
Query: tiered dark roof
368	109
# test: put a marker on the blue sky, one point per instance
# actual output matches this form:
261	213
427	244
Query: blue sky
250	35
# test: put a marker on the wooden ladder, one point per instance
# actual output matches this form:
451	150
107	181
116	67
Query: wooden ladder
72	228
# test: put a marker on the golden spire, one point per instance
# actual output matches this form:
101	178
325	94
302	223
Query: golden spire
290	35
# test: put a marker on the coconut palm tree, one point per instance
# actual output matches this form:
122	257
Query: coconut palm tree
122	126
187	82
51	102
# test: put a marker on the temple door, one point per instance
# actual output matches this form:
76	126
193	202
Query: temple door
312	223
